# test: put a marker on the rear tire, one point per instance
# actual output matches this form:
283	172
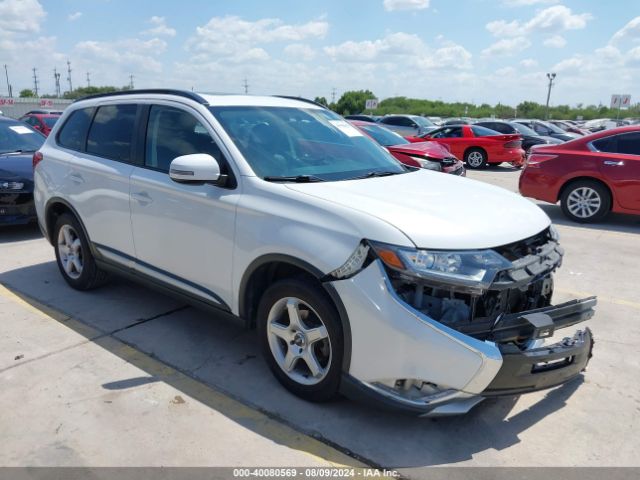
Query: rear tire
585	201
73	255
301	338
475	158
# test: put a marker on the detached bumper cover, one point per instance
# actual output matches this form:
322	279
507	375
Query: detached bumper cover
526	371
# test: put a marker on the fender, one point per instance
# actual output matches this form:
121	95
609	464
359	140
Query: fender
47	209
317	274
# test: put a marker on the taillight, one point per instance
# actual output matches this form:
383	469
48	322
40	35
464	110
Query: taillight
535	159
37	158
513	144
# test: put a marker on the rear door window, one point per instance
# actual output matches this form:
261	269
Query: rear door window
628	144
73	134
112	131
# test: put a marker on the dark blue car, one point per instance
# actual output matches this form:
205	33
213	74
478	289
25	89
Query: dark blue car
18	142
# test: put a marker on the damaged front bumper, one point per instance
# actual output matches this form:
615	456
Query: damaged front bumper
404	360
548	366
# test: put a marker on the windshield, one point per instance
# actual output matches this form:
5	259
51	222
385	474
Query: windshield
16	137
524	130
300	142
50	121
383	136
423	122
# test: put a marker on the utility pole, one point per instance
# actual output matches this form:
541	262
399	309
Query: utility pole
56	76
88	80
551	77
246	86
6	72
333	95
131	81
35	81
69	76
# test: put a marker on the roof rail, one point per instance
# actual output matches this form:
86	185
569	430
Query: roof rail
161	91
301	99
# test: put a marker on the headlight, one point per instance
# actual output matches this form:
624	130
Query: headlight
473	270
4	185
427	164
553	233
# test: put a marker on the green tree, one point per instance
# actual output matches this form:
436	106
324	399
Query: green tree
353	101
84	91
321	101
27	93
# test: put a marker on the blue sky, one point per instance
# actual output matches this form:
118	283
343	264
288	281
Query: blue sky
466	50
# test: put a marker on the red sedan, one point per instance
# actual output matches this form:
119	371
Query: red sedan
478	146
429	155
43	122
590	176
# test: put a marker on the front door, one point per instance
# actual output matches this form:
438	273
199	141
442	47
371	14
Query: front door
183	233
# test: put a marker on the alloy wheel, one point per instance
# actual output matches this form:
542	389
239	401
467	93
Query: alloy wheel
584	202
475	159
299	341
70	250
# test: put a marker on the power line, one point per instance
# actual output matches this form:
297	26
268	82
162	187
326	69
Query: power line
56	76
69	76
6	72
35	81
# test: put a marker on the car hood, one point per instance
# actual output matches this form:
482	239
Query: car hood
437	211
16	165
429	149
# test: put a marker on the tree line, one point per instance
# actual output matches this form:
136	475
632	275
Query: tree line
353	102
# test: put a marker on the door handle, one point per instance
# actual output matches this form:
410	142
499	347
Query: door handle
142	198
613	163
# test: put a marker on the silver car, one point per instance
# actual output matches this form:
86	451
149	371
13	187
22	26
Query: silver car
408	125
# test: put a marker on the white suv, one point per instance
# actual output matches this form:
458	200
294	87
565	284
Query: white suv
361	275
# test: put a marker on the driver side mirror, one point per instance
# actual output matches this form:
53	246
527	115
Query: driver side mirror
196	168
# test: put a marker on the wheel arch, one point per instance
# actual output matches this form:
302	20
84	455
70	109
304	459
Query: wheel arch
269	268
55	207
476	147
573	180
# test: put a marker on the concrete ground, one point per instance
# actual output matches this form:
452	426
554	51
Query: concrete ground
124	376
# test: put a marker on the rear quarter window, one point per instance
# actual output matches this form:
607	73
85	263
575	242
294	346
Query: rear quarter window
73	133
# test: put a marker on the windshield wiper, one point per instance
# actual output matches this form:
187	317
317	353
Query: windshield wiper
375	174
294	178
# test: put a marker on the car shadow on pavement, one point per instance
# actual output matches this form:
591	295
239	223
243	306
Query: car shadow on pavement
614	222
19	233
217	362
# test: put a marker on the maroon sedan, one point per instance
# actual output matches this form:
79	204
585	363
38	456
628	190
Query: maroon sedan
43	122
590	176
428	155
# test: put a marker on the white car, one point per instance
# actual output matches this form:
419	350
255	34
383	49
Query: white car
361	275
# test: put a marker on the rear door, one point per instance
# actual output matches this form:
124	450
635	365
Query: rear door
97	152
620	165
183	233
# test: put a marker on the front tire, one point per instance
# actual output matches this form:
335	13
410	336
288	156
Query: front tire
301	338
585	201
73	255
475	158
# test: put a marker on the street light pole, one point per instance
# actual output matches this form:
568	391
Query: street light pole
551	77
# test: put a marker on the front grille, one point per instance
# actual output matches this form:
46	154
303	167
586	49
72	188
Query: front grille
10	199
